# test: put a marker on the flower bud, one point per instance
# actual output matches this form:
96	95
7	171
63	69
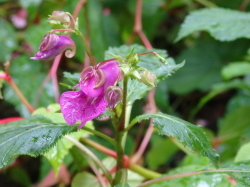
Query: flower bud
60	18
148	78
113	96
53	45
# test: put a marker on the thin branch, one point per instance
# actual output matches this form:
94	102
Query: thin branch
152	109
91	155
96	171
127	164
138	27
187	174
6	76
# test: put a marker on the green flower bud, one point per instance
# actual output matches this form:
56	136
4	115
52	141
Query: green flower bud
148	78
59	19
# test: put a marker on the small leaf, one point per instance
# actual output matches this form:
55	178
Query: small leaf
32	139
243	153
85	179
235	69
186	133
234	123
222	24
72	77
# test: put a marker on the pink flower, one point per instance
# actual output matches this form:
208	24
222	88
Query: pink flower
90	101
53	45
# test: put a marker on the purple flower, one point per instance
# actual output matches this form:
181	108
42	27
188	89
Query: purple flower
90	101
53	45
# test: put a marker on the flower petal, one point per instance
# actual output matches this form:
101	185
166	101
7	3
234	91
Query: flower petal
94	107
64	43
88	82
112	72
72	106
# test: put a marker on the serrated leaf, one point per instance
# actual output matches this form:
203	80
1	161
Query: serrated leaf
30	139
186	133
150	62
214	180
222	24
235	69
57	153
243	153
242	176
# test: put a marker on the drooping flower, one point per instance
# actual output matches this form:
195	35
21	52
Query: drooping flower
90	101
53	45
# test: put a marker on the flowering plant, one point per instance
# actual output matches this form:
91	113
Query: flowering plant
97	112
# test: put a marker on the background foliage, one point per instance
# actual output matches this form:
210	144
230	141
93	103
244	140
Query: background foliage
211	90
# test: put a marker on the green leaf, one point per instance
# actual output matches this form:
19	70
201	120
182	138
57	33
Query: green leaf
8	40
30	139
96	36
234	123
72	77
28	3
214	180
222	24
158	156
242	174
150	62
57	153
85	179
28	76
217	89
186	133
202	68
235	69
243	153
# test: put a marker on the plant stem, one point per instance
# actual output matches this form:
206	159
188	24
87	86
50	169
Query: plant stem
87	49
91	155
97	133
187	174
144	172
119	134
207	3
133	167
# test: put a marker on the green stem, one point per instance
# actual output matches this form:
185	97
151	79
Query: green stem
91	155
144	172
97	133
187	174
88	51
119	135
207	3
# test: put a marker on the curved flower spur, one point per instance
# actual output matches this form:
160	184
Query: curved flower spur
53	45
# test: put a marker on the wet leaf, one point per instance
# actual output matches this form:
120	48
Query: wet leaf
30	137
222	24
